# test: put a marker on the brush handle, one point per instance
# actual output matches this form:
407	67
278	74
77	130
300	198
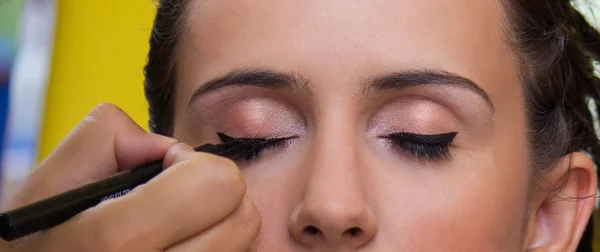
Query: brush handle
58	209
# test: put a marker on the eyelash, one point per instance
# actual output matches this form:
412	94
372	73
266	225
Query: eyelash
253	152
254	146
422	147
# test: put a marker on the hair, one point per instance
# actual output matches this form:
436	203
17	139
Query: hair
160	71
555	49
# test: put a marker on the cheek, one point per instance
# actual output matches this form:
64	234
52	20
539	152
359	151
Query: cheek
274	190
476	203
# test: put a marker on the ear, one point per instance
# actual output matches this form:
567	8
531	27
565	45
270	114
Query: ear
558	219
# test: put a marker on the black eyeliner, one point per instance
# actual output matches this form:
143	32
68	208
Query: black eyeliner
55	210
253	146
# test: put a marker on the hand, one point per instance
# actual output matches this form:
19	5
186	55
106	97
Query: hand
197	204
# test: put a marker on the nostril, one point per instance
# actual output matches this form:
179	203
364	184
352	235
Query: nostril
354	232
311	230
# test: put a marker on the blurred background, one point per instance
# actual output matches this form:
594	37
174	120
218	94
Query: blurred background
58	59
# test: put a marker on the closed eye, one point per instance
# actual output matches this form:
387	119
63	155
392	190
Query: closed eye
253	147
423	147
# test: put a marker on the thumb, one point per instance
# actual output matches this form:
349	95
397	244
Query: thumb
105	142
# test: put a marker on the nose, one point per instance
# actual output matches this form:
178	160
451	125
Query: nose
333	212
333	225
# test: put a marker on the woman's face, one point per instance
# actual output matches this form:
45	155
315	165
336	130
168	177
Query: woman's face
405	119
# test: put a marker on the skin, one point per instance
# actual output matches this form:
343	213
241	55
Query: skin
337	184
337	174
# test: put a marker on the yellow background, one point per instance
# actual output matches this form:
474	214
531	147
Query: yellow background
99	53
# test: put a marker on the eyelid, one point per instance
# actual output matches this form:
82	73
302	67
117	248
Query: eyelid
249	112
408	114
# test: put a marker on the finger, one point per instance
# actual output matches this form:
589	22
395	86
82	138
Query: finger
106	140
198	191
235	233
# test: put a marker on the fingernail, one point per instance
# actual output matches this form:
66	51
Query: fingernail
166	139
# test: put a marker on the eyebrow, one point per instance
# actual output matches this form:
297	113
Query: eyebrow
411	78
254	77
393	81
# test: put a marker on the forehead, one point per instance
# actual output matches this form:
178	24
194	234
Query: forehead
335	37
339	18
